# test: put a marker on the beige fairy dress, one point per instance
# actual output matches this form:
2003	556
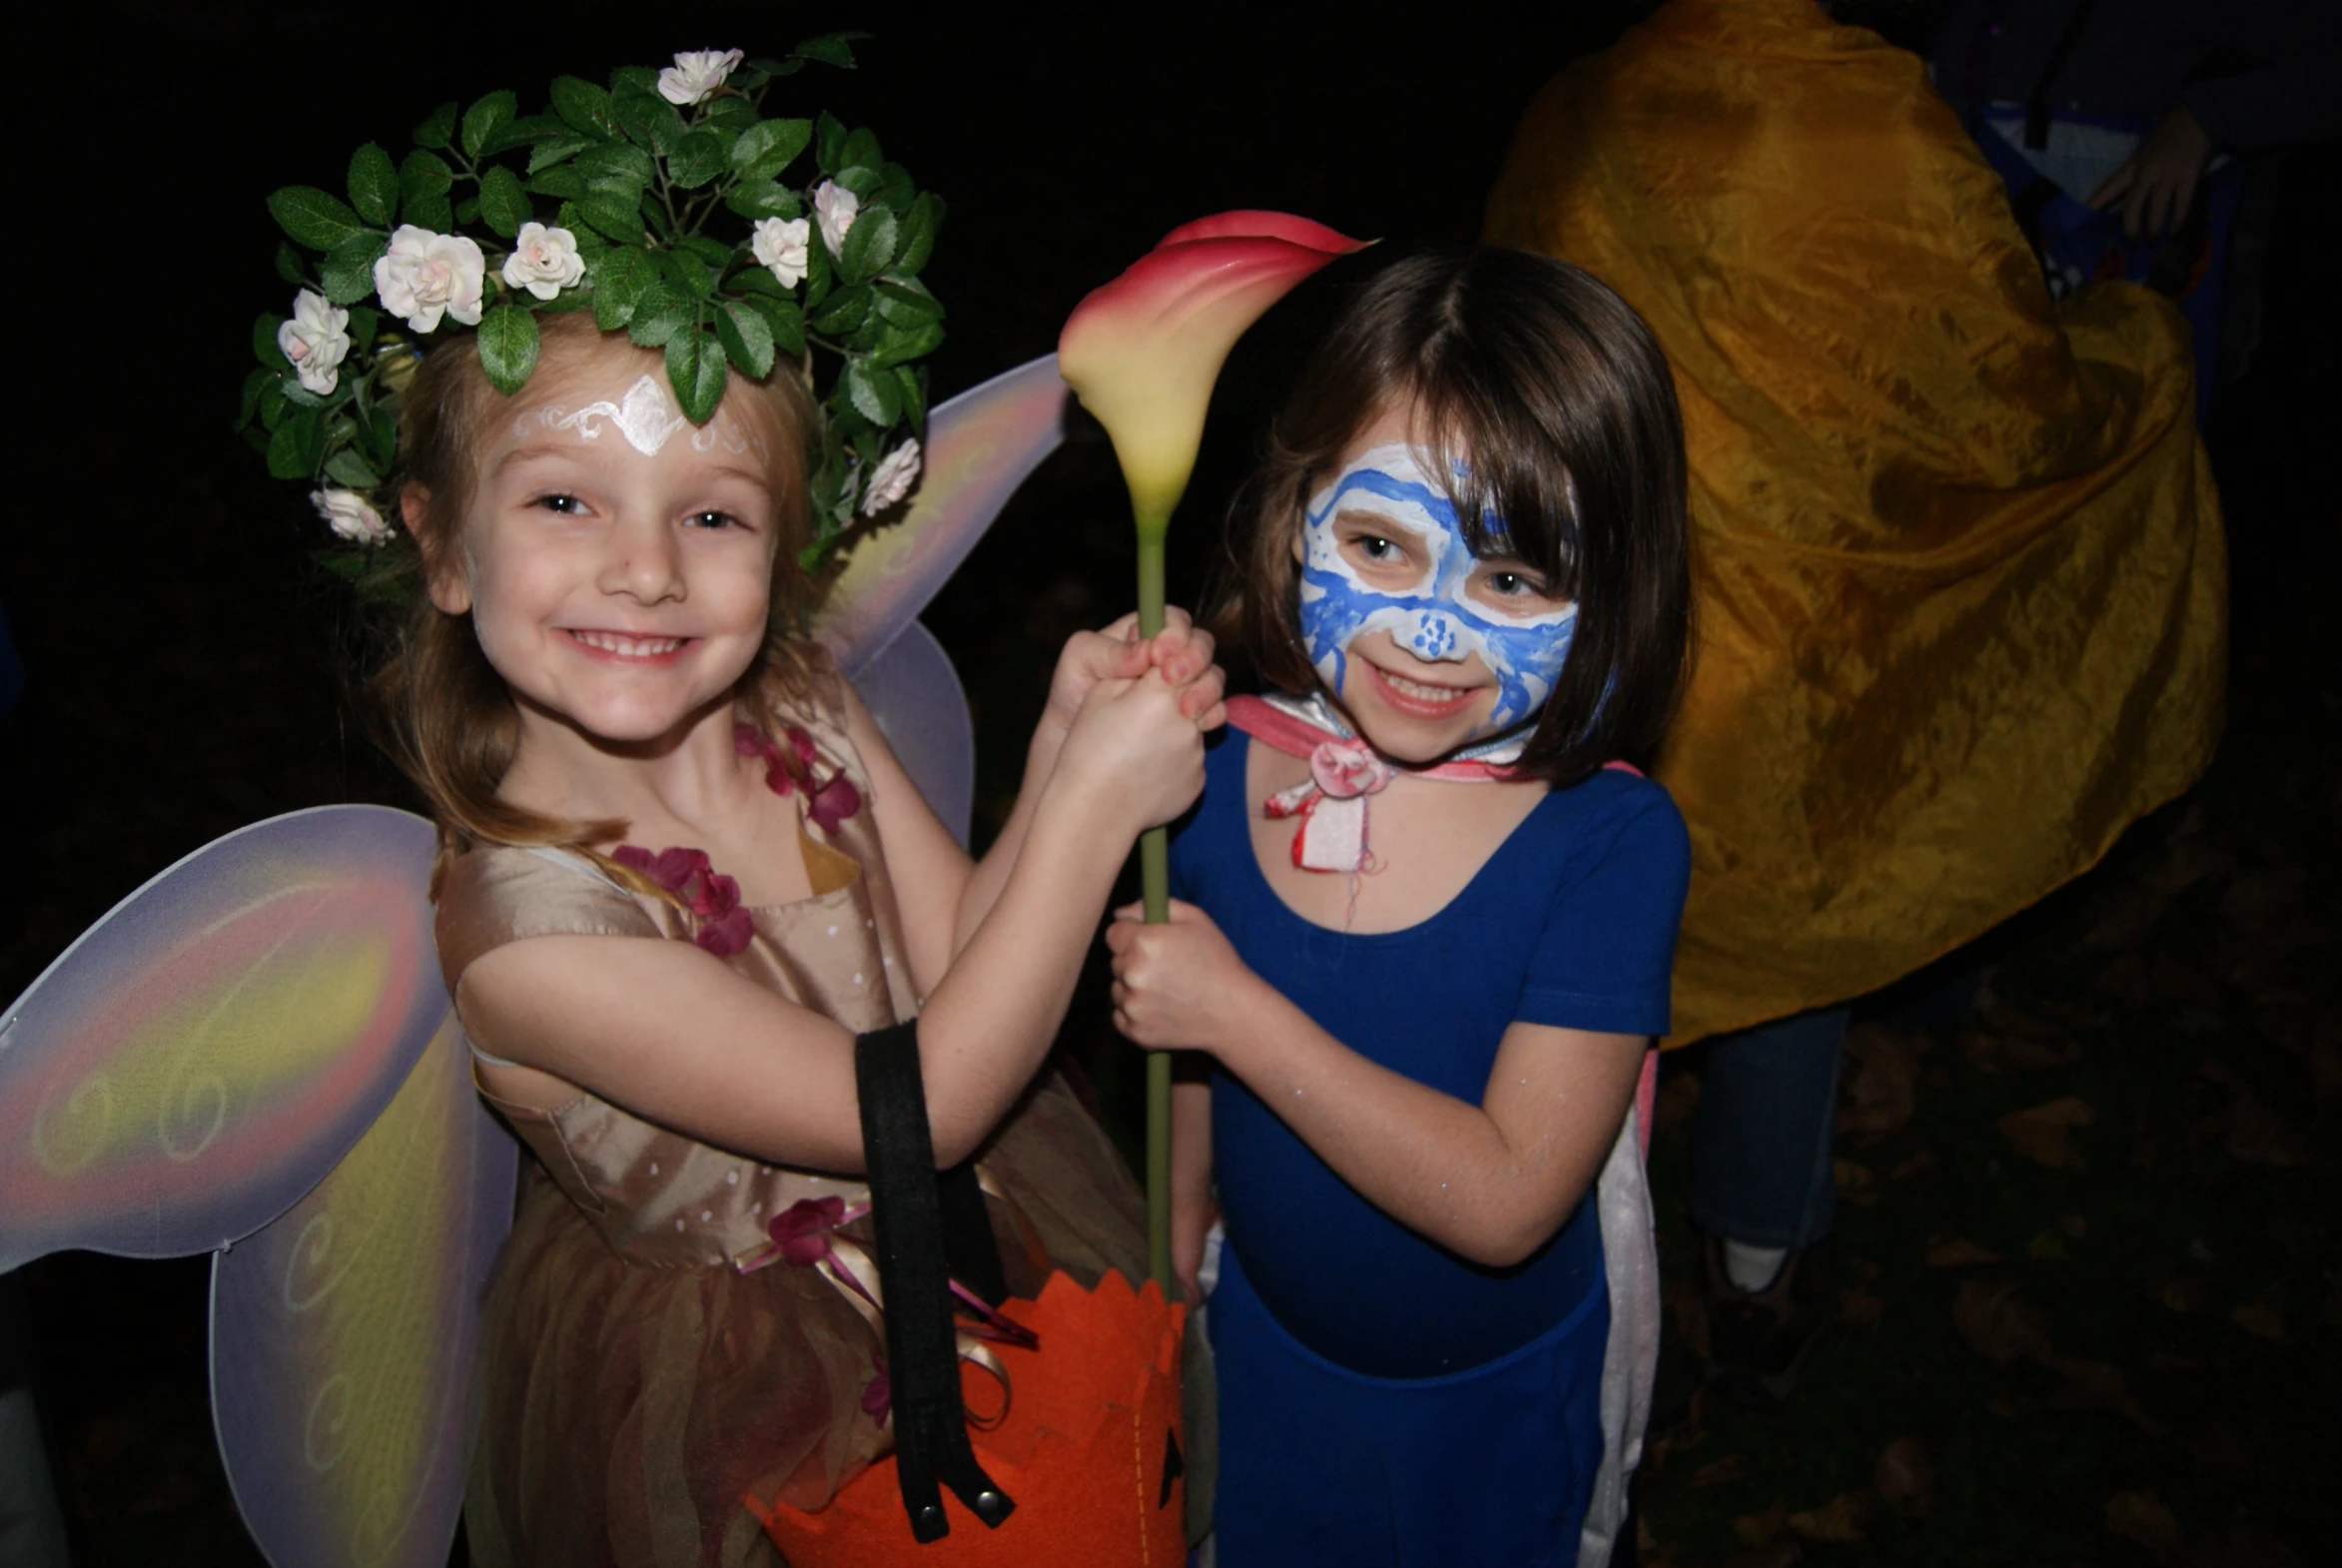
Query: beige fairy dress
634	1383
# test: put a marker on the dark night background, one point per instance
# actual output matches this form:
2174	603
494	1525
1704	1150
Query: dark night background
2141	1365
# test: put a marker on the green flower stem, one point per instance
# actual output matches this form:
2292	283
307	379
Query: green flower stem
1154	886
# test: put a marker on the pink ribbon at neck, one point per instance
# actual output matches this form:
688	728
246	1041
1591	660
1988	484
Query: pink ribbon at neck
1343	772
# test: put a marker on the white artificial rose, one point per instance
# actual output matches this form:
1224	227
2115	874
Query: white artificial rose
544	261
781	244
835	206
695	74
314	340
423	275
892	482
351	516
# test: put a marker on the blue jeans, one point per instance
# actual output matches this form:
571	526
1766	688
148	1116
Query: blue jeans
1761	1137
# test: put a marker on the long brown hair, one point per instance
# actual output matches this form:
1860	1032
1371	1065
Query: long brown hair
446	716
1559	396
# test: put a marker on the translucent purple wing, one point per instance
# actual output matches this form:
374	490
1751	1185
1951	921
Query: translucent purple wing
343	1332
203	1054
914	693
980	447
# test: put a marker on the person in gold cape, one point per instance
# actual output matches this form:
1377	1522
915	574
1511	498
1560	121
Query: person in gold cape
1958	576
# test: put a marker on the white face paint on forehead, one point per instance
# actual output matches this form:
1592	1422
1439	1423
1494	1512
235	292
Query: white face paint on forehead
646	417
1431	617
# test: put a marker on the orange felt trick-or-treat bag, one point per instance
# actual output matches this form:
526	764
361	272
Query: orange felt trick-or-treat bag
1090	1449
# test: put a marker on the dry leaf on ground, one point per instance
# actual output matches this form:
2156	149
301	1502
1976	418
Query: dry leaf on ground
1756	1529
1718	1471
2259	1136
1781	1554
1997	1323
2096	1385
2044	1135
1859	1308
1838	1521
1959	1254
1882	1080
1905	1477
2140	1518
2261	1320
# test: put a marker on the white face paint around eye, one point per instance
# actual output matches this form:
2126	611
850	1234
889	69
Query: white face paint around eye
647	419
1431	617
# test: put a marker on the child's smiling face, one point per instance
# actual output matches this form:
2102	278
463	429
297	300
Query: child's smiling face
1427	646
616	560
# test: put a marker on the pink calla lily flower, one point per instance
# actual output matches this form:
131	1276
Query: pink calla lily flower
1144	351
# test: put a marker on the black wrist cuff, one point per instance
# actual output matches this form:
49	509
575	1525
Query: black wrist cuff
928	1225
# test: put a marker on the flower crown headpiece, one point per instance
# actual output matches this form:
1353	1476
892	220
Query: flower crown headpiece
455	235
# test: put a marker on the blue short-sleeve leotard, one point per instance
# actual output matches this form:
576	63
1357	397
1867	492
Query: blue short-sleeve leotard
1383	1402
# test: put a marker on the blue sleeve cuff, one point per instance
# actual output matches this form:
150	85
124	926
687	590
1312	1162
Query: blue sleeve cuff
1600	1015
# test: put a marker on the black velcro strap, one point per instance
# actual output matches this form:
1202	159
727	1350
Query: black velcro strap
969	1244
907	1216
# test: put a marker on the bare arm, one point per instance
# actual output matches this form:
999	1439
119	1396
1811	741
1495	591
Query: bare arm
1490	1182
1182	651
672	1034
1193	1209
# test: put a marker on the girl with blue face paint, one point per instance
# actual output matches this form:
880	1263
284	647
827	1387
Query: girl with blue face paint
1422	934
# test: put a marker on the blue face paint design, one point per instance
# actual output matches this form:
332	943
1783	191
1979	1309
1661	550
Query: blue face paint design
1431	618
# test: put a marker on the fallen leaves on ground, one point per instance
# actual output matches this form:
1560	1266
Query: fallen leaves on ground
1838	1522
1960	1255
2259	1136
1905	1476
2044	1135
1718	1471
1997	1323
1859	1309
2261	1320
2100	1386
2141	1518
1883	1072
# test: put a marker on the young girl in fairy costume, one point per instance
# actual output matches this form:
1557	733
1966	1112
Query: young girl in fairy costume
683	873
1424	932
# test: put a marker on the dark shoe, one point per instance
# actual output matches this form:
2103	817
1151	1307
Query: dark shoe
1760	1340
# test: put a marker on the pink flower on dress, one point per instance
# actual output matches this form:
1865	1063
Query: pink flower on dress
802	1230
829	802
724	927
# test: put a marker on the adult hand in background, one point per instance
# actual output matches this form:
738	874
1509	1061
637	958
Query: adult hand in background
2154	188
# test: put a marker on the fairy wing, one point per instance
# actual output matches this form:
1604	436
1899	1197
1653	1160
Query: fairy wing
255	1053
980	447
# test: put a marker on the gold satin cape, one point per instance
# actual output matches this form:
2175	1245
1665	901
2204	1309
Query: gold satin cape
1960	583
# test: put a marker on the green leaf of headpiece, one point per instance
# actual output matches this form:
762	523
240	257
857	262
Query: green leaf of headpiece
436	130
348	467
374	184
290	265
523	132
649	120
870	244
755	199
620	220
617	275
875	397
695	367
830	49
785	320
423	182
507	345
348	272
766	147
559	149
916	242
747	339
503	205
297	445
829	142
698	158
586	106
482	120
659	316
313	217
